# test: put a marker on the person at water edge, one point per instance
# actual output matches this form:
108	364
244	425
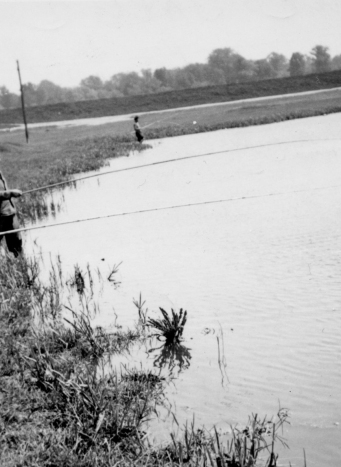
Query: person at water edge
137	129
8	217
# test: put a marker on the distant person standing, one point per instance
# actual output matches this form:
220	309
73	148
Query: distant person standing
8	218
137	129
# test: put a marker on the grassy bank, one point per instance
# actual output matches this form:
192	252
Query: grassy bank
250	118
173	99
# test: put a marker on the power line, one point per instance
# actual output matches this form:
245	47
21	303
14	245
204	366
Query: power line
65	182
178	206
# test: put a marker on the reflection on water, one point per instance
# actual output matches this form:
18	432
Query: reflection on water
172	356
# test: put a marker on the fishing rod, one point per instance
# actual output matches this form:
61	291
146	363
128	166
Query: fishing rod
165	208
177	159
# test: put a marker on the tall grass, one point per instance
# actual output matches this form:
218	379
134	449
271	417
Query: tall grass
78	405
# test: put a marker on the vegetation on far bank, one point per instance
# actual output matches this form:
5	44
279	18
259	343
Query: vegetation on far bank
172	99
224	66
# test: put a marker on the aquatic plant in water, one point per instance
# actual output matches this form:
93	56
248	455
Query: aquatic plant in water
170	327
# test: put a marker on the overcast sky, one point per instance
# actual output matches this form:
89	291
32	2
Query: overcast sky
66	41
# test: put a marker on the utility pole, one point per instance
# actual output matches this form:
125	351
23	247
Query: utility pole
22	103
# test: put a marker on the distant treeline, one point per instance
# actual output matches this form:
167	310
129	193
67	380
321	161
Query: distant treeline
224	66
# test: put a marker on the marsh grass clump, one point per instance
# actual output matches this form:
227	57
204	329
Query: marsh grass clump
170	327
250	446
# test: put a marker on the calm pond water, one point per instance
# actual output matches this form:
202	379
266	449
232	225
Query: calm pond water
262	272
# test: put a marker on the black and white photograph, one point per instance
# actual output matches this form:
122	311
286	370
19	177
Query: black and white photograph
170	233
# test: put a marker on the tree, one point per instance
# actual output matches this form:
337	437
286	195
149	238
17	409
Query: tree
321	59
223	59
182	80
149	84
244	70
128	84
336	62
30	94
309	65
197	73
161	74
297	64
264	70
8	99
92	82
49	93
215	76
279	64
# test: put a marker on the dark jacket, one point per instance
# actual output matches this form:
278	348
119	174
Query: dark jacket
6	206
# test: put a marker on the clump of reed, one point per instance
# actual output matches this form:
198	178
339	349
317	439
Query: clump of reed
170	327
249	446
142	312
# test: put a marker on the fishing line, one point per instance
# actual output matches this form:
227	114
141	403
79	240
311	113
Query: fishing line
65	182
178	206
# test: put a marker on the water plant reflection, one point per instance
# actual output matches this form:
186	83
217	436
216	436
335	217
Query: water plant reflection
174	355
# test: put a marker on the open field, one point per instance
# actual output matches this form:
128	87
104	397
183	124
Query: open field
173	99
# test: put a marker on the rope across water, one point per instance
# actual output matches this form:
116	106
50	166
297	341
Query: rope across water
24	229
142	211
177	159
